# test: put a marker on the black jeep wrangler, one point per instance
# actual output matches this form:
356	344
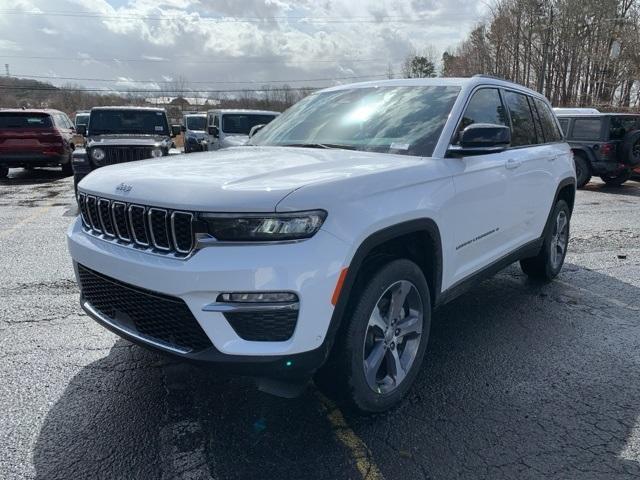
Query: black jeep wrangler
604	144
122	134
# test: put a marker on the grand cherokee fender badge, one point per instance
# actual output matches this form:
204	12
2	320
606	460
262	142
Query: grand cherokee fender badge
123	187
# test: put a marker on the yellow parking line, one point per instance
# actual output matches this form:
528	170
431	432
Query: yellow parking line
357	448
38	213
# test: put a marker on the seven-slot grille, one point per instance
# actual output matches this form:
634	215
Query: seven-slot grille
115	155
160	229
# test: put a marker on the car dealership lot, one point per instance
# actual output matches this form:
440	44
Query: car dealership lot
520	380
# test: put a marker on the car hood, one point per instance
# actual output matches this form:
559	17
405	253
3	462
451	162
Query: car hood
234	140
243	179
128	140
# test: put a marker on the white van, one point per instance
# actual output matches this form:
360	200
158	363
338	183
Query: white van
231	128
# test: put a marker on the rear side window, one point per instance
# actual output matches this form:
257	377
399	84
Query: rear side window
620	126
24	120
485	106
523	131
549	127
564	125
586	129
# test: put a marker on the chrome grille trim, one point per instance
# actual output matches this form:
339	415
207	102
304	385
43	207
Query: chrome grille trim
151	229
94	221
132	225
105	230
121	235
178	230
176	244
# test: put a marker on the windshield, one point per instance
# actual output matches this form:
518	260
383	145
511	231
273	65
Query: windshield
24	120
82	119
242	123
196	123
405	120
146	122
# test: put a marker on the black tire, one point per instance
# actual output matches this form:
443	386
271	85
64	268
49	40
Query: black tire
344	375
4	171
67	169
583	171
545	266
616	180
631	148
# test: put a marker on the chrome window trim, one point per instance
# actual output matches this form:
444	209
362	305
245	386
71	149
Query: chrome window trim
150	224
115	223
173	231
133	230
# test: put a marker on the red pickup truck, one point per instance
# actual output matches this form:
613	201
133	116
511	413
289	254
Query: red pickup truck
35	138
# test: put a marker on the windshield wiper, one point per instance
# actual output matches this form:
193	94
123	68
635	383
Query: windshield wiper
319	145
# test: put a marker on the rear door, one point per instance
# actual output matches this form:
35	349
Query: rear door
23	133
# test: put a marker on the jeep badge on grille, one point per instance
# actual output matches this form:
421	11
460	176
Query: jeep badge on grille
123	187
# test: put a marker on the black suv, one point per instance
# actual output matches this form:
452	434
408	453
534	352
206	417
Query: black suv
603	144
122	134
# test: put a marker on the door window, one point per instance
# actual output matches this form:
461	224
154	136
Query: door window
485	106
586	129
549	126
523	130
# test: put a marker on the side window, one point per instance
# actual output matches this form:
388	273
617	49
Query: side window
485	106
536	120
564	125
549	127
586	129
523	130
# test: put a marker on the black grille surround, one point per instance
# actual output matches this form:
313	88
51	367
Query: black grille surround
160	230
155	317
264	326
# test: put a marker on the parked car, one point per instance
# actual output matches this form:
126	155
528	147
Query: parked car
81	118
122	134
231	128
324	247
35	138
603	144
193	127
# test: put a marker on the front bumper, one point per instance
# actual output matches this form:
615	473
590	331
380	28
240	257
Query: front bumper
17	160
309	268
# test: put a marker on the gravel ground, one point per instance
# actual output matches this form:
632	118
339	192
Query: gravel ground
520	380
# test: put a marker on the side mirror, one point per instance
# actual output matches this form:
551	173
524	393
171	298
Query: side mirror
175	130
255	129
482	138
81	130
213	131
183	128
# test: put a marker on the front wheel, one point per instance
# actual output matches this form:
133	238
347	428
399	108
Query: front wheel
616	180
548	263
379	353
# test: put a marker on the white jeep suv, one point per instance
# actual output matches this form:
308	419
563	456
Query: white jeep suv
324	246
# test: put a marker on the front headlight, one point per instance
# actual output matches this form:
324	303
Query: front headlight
263	227
97	154
156	152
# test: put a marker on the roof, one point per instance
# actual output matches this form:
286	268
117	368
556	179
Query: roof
243	110
29	110
461	82
576	111
195	114
130	107
599	114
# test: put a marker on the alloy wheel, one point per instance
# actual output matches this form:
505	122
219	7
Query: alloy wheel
559	239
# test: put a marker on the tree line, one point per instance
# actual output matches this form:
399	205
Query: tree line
575	52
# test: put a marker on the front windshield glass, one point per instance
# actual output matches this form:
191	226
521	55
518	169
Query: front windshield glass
196	123
145	122
242	123
404	120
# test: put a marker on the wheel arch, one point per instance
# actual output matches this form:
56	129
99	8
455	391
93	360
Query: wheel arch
586	153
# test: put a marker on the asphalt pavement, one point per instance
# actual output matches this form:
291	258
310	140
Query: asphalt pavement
520	381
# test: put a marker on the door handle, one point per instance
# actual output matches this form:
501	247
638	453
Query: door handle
512	163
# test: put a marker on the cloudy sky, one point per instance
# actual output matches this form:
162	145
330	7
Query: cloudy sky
223	44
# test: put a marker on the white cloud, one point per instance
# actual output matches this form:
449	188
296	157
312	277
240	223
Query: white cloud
285	40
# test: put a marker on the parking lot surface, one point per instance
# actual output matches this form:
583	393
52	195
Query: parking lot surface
520	380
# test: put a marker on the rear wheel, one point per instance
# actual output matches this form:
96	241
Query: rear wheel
548	263
583	172
616	180
379	352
